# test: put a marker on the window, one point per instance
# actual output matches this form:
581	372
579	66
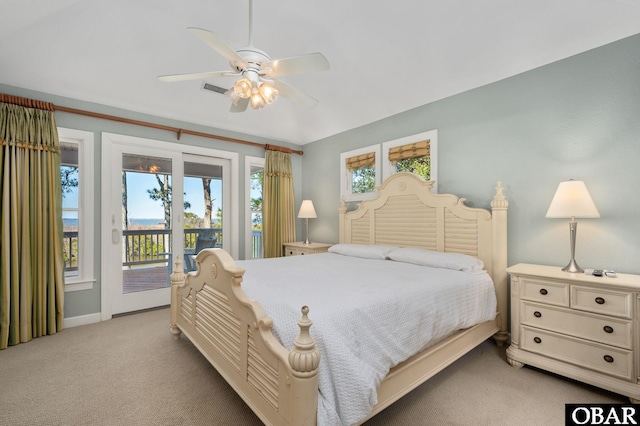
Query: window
415	154
360	173
254	167
76	158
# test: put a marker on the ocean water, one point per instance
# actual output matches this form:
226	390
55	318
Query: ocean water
145	222
133	221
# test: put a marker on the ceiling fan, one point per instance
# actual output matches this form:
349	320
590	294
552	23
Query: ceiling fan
257	86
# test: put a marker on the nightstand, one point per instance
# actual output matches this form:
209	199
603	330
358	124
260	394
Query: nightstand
576	325
297	249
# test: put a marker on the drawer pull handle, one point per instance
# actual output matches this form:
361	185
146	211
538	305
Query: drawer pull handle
608	358
539	340
608	329
543	291
537	314
600	300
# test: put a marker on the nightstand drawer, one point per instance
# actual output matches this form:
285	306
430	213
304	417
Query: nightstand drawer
304	251
605	359
598	328
300	249
609	302
290	251
546	291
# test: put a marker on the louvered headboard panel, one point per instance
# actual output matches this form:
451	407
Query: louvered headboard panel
404	218
407	214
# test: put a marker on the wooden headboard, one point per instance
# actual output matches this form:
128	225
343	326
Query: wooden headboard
406	213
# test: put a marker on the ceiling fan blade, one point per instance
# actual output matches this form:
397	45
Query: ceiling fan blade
296	65
241	106
195	76
295	95
219	46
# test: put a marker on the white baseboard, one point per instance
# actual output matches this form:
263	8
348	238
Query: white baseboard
81	320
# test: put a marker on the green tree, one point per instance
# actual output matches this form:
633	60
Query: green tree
68	179
257	180
219	215
420	166
363	180
208	202
163	193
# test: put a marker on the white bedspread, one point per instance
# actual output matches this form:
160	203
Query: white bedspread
368	316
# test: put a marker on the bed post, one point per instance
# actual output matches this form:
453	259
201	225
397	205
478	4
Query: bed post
304	360
177	282
499	206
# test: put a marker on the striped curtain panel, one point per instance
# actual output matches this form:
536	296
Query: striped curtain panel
31	262
278	211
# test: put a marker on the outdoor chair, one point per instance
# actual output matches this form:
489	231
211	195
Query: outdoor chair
206	239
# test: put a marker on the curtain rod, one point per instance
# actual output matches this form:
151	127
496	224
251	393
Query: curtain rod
30	103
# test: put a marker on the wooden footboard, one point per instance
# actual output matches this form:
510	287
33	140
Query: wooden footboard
234	334
413	372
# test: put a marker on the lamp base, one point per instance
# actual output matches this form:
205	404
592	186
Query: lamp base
573	267
306	243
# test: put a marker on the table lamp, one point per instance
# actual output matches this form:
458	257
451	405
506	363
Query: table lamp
572	200
307	212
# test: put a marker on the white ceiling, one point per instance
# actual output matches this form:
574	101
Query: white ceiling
386	57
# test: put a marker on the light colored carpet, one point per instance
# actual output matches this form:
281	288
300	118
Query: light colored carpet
129	371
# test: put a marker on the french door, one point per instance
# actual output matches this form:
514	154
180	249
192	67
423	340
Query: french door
158	205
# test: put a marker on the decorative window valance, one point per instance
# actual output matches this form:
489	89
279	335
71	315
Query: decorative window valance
411	150
360	161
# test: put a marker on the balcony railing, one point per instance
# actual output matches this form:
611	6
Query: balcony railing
149	246
70	251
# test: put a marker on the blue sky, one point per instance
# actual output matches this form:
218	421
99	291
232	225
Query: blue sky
140	206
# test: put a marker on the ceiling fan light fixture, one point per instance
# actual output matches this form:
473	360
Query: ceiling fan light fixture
233	96
257	101
243	88
268	92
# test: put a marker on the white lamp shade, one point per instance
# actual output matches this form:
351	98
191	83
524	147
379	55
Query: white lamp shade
572	199
307	211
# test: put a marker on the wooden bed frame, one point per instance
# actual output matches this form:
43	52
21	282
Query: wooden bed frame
281	385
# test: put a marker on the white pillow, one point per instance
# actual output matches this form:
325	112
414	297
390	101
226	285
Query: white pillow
362	250
437	259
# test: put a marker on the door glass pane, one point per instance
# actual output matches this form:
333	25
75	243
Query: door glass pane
146	223
203	207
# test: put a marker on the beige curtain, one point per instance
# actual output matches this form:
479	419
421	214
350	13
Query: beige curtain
31	262
278	211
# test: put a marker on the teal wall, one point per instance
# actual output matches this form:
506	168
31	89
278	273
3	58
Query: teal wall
578	118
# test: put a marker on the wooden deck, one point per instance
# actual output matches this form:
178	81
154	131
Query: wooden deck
142	279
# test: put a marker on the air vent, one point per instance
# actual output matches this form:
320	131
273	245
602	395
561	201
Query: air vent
212	88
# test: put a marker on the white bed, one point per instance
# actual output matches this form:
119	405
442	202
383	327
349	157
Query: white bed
244	322
397	308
